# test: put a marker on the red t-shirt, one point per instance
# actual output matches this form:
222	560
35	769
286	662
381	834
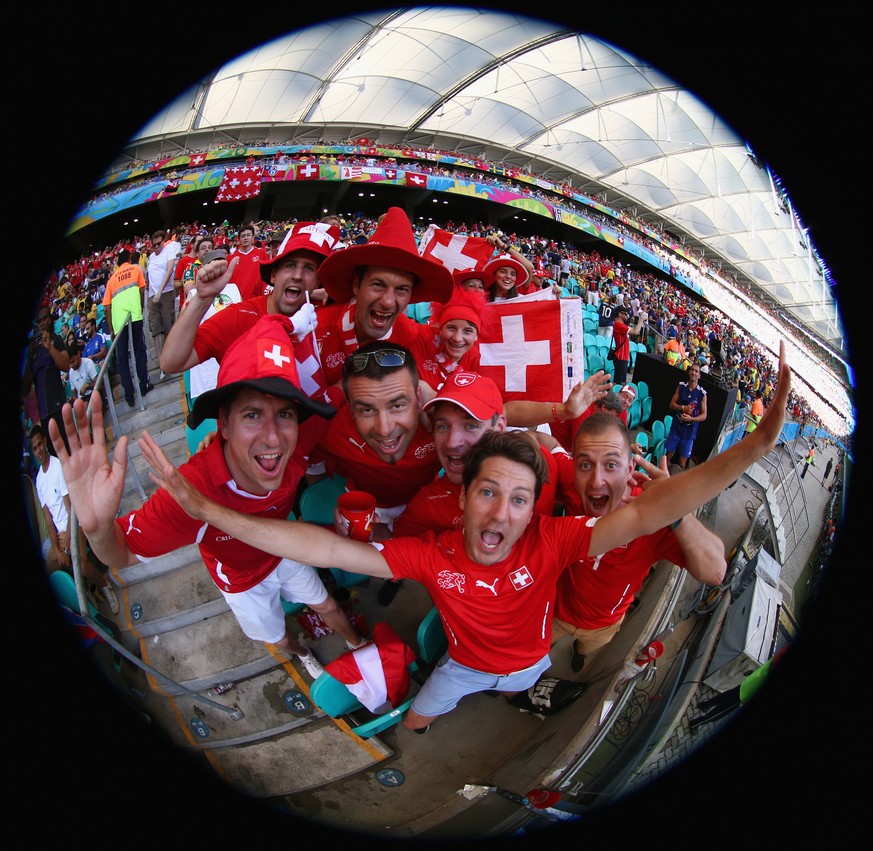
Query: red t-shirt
435	507
498	618
336	337
596	592
345	454
247	275
161	526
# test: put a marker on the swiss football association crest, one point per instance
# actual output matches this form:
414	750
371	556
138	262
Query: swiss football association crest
521	578
462	379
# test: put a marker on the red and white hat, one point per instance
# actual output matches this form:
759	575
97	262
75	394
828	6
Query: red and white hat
477	394
522	276
317	237
630	390
464	304
393	245
263	360
479	274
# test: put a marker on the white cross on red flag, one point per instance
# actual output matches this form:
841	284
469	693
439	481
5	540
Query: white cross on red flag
415	178
455	251
240	182
533	347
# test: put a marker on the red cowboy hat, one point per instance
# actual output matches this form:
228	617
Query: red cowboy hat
393	245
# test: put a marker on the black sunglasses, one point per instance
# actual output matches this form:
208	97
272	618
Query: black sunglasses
383	357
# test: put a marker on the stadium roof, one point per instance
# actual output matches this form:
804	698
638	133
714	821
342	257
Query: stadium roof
569	106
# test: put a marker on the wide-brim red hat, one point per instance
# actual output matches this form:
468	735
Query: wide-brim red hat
392	245
263	360
464	275
317	237
522	276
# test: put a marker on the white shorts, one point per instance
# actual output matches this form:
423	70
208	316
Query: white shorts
259	610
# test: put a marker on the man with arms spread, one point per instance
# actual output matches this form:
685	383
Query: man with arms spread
252	467
595	594
493	581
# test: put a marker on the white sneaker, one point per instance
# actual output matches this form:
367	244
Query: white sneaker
312	665
111	598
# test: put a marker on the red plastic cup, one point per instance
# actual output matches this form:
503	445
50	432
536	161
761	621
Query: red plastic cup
358	514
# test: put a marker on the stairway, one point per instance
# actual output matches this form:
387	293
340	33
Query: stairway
175	620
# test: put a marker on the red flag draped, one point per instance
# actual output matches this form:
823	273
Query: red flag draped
240	182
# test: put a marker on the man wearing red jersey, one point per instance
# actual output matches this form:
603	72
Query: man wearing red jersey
466	407
595	595
494	580
252	467
247	272
377	440
372	285
293	275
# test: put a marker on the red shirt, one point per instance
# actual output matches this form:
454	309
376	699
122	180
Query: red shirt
336	336
215	335
596	592
161	526
498	618
247	275
435	507
346	454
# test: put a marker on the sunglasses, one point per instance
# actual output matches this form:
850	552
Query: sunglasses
383	357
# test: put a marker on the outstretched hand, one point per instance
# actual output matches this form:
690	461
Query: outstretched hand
650	473
95	487
165	475
586	393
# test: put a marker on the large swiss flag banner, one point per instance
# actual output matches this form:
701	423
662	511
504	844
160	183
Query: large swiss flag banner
532	346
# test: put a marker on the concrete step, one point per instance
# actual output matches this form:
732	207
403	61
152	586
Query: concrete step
203	654
267	705
172	599
127	576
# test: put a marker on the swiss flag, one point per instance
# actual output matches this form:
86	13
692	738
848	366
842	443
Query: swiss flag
240	182
391	173
455	251
532	346
415	178
378	674
197	159
307	171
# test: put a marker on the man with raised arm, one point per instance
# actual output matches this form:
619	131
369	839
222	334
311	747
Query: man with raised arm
254	466
493	581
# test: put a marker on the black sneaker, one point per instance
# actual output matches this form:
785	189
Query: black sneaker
388	591
422	730
577	660
148	388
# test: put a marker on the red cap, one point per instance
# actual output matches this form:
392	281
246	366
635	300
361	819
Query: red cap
630	390
477	394
263	360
